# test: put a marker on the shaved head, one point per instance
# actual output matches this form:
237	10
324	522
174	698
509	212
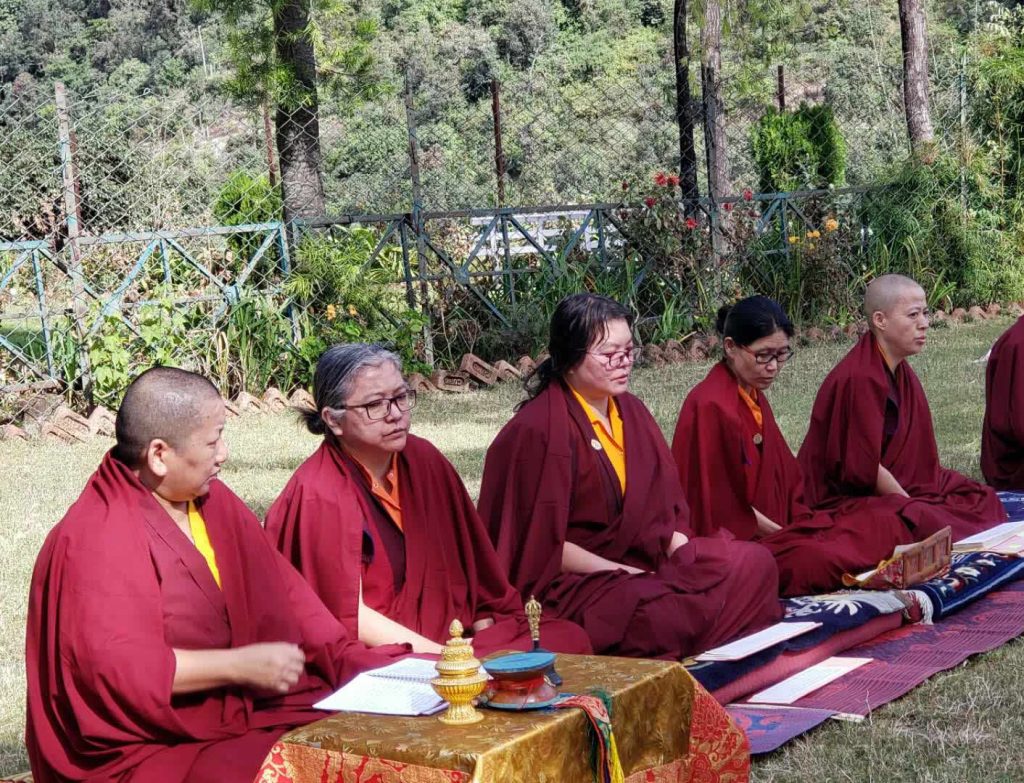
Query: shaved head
884	292
162	403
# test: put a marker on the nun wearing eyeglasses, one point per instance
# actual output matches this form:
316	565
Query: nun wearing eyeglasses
739	473
381	526
583	501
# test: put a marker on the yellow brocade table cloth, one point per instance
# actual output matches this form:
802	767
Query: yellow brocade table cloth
667	729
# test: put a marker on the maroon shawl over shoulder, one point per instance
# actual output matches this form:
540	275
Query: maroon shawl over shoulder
847	441
451	570
116	587
726	473
1002	435
545	484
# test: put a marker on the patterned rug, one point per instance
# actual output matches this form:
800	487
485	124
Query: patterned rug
903	659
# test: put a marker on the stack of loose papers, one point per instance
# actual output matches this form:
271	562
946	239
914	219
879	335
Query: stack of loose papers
1006	539
802	683
762	640
401	688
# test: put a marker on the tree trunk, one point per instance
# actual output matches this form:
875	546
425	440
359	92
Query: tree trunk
298	125
714	109
915	76
684	109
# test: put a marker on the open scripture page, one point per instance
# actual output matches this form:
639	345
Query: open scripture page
400	688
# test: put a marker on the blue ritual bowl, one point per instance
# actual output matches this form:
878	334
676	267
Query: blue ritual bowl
519	666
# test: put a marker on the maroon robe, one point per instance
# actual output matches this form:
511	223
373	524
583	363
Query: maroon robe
726	473
1002	434
545	484
116	587
866	415
440	567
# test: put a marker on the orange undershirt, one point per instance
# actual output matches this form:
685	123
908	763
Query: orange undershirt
751	401
201	538
885	356
389	500
613	443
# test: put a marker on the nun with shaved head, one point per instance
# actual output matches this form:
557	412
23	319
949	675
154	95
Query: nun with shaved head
871	442
167	640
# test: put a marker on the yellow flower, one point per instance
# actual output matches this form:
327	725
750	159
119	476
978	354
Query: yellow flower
831	224
332	312
352	311
793	239
814	234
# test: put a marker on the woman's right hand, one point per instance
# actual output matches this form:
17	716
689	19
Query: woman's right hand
269	666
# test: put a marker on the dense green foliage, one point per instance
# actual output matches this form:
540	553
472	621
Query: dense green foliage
799	150
169	100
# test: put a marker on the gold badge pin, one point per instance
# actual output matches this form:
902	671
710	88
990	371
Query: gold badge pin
758	440
596	444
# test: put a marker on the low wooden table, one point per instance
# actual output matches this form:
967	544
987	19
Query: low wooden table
667	728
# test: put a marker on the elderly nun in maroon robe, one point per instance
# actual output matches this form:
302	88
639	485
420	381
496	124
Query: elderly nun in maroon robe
1002	435
871	440
167	640
380	524
738	472
584	505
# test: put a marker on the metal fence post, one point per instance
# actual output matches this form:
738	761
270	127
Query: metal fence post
72	219
416	220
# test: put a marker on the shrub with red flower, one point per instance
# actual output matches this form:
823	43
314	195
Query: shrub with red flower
673	180
650	201
691	223
748	195
661	179
727	206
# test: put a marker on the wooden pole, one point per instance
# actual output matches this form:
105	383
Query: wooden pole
781	75
417	223
499	154
73	221
268	140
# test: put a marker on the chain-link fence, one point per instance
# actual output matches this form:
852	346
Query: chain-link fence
449	211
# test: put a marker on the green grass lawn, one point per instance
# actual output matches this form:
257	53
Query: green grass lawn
962	726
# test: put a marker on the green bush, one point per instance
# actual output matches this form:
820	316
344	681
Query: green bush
798	150
941	224
245	199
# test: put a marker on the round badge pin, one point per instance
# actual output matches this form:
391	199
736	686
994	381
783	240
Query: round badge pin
596	444
758	440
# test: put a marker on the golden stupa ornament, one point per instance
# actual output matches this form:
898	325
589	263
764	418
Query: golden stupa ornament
459	679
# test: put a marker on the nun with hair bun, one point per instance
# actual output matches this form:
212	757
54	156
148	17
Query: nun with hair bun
584	505
740	475
381	525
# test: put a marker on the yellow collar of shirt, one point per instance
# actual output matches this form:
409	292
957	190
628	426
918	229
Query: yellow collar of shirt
750	398
201	538
612	442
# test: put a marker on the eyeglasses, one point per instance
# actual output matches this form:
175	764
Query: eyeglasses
765	357
381	409
617	358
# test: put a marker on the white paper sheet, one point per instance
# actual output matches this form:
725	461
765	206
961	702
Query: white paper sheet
1007	537
762	640
807	681
400	688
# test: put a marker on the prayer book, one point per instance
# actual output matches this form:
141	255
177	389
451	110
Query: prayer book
762	640
910	564
1004	539
400	688
807	681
